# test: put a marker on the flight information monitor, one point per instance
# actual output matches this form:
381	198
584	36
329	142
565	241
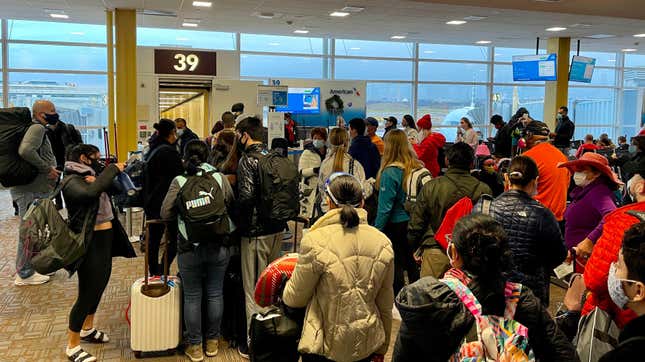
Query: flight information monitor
302	101
582	69
541	67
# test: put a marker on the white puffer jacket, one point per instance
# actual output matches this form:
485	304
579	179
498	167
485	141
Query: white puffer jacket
344	277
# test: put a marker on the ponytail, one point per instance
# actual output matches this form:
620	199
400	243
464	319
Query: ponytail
349	216
339	159
191	165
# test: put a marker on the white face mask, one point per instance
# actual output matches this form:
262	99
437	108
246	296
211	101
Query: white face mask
318	144
580	179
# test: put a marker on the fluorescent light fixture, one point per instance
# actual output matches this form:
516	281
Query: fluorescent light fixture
601	36
79	33
456	22
397	37
202	4
339	14
59	16
484	42
639	35
189	25
274	44
429	51
611	60
352	9
181	38
354	48
628	50
301	31
475	18
556	28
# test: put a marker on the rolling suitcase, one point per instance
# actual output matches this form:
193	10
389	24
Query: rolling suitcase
155	311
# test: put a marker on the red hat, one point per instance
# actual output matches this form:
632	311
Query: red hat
599	162
641	133
425	122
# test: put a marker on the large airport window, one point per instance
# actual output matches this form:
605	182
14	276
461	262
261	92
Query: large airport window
601	77
370	69
453	52
631	115
506	54
592	107
377	49
57	57
453	72
582	131
56	31
161	37
447	104
273	66
634	60
507	99
389	99
281	44
634	78
602	59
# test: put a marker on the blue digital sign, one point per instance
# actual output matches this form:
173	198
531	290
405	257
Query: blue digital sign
541	67
302	101
582	69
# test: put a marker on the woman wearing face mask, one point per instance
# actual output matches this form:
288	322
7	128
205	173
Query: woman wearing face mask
410	128
467	133
591	199
533	233
309	167
91	213
435	322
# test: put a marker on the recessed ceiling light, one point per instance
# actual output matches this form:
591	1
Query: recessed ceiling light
189	25
556	28
352	9
484	42
475	18
397	37
301	31
79	33
180	38
628	50
456	22
59	16
639	35
354	48
274	44
202	4
339	14
429	51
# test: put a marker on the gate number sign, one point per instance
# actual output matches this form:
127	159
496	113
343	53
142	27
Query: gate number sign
185	62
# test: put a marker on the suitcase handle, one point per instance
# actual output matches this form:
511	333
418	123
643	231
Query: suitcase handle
154	290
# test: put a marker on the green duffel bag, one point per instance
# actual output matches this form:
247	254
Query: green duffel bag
48	238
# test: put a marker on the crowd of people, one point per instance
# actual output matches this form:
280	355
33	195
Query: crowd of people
377	209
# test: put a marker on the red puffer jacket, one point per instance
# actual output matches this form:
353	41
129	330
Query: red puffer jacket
428	152
604	253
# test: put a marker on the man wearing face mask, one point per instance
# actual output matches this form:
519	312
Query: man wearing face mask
606	250
564	131
184	135
36	149
626	284
309	168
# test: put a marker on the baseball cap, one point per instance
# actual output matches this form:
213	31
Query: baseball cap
371	121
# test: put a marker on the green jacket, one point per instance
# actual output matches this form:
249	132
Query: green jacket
436	197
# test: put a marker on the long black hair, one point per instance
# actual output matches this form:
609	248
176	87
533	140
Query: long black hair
347	193
482	244
195	154
409	121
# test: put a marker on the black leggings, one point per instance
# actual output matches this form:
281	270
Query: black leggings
403	259
156	234
93	276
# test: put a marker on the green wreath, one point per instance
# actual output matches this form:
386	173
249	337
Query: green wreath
334	105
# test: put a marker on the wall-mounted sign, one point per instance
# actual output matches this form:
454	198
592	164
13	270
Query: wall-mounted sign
185	61
272	95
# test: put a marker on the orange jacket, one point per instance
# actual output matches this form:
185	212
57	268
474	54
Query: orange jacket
553	182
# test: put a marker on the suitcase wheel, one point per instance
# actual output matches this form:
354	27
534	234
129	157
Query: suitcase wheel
137	354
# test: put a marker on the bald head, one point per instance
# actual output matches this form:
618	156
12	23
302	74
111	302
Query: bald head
41	108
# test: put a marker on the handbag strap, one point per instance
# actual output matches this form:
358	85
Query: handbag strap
465	295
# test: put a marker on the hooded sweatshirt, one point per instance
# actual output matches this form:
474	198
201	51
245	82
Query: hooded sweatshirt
428	152
105	213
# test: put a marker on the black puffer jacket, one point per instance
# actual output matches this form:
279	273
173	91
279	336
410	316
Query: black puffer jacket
534	239
434	323
163	164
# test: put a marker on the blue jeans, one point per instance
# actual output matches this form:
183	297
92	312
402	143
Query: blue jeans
202	270
23	255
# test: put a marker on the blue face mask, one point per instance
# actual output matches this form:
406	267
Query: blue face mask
615	288
633	149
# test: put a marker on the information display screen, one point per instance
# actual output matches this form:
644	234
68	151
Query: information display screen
582	69
541	67
302	101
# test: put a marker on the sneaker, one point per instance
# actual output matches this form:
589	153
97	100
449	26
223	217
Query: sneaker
194	352
35	279
243	350
212	347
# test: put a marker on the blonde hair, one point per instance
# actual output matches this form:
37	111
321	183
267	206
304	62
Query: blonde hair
339	140
399	153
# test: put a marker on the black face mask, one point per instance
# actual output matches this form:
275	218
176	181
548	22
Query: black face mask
52	119
97	166
241	145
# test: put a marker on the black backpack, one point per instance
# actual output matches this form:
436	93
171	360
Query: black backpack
279	188
14	170
202	208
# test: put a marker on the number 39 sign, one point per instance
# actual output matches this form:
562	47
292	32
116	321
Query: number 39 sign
185	62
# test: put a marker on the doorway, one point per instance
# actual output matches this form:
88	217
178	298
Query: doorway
187	100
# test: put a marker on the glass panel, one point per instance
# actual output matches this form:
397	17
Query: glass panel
506	54
582	131
373	69
281	44
265	66
503	73
80	99
600	77
508	99
592	106
602	59
54	31
159	37
453	72
57	57
94	136
389	99
380	49
447	104
634	60
631	117
453	52
634	78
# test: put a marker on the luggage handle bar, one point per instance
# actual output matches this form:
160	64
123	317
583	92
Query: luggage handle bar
154	290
